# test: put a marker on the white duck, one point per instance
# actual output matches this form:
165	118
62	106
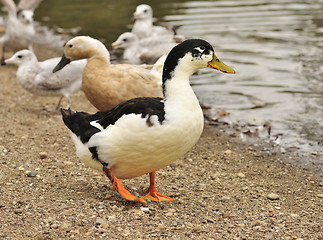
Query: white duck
106	85
37	77
142	135
20	29
143	26
147	50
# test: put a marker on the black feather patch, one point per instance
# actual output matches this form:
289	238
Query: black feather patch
145	106
79	122
94	153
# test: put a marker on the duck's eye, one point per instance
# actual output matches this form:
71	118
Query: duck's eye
70	46
125	39
19	56
200	48
145	10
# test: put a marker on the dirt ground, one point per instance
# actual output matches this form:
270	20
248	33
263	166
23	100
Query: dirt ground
223	189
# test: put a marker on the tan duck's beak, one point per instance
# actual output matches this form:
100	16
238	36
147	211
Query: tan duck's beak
62	63
219	65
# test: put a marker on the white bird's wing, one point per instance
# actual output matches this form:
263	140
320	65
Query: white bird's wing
28	4
10	7
63	78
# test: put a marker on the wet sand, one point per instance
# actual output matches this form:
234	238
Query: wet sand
223	188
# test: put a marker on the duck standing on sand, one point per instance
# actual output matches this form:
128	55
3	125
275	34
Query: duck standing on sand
142	135
104	84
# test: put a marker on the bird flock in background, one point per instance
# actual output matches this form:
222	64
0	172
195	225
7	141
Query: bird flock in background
148	115
145	44
20	30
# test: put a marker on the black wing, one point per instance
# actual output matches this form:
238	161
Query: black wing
144	106
79	122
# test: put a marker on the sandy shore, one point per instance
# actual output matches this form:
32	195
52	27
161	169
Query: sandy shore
223	189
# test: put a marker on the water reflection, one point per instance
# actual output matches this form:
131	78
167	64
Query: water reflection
275	47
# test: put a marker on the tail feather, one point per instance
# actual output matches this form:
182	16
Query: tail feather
79	123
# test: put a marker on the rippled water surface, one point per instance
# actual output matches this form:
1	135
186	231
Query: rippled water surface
274	46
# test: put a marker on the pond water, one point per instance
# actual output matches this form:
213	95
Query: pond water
275	47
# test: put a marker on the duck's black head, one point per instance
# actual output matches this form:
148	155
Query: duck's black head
190	56
196	48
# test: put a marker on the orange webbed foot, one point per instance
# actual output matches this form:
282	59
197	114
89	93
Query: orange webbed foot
117	185
153	195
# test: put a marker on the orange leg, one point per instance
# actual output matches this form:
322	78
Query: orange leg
117	185
153	195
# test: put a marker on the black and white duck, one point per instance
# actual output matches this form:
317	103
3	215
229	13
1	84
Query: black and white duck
142	135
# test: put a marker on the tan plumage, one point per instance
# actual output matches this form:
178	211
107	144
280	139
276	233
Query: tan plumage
105	85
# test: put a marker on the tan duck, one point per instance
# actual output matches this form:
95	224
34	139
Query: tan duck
106	85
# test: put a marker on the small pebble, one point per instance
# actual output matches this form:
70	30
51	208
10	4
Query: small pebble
54	226
225	198
320	195
161	227
99	221
145	209
24	137
63	226
241	175
18	210
171	210
273	196
43	155
228	152
112	218
31	174
104	226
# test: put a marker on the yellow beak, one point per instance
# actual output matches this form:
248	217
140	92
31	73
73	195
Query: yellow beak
219	65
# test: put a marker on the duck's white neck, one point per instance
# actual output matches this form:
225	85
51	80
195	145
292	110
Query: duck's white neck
179	81
178	88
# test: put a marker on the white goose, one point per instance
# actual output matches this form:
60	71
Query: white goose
37	77
142	135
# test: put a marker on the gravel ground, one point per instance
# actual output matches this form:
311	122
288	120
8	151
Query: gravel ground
223	189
